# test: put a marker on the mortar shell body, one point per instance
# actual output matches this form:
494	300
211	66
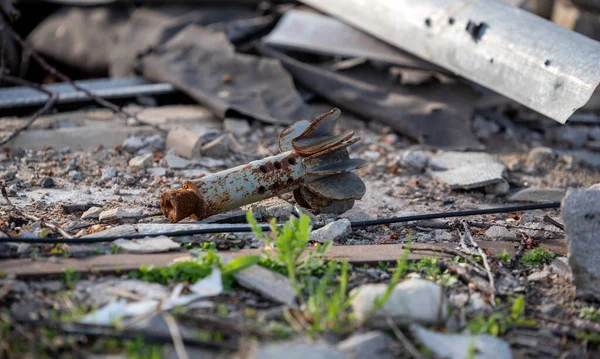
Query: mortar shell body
238	186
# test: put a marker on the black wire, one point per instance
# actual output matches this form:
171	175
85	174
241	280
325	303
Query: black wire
246	228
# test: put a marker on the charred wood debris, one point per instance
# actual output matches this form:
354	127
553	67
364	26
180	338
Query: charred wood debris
262	179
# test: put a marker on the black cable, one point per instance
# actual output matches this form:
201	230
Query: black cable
246	228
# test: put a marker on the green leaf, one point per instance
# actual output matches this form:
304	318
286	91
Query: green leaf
518	308
44	233
239	264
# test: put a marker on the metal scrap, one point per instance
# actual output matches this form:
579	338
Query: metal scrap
313	162
539	64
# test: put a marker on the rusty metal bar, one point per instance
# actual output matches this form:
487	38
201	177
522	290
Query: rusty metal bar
313	162
535	62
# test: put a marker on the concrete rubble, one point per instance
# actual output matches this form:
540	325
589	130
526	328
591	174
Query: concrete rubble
413	300
458	346
373	344
581	216
147	245
468	170
333	231
540	195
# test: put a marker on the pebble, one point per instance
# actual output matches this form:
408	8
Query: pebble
414	159
540	155
357	214
239	128
497	233
119	213
371	155
147	245
142	162
413	300
92	213
539	276
581	216
157	171
540	195
273	208
47	182
175	162
561	267
299	350
109	174
132	144
460	346
498	189
157	141
116	189
9	175
217	148
526	217
12	190
75	175
373	344
333	231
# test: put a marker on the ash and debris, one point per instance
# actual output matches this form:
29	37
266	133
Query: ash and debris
95	173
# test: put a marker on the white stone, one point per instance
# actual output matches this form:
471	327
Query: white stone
500	233
539	276
109	173
119	213
333	231
240	128
357	214
157	171
143	161
414	159
458	346
175	162
147	245
413	300
540	195
132	144
92	213
374	344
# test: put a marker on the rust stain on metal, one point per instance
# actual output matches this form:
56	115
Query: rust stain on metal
310	153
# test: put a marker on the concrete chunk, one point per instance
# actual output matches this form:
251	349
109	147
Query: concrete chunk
143	161
581	215
147	245
333	231
467	170
413	300
185	143
119	213
540	195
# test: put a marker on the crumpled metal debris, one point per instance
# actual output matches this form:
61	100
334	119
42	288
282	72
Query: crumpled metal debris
467	170
537	63
313	162
434	113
